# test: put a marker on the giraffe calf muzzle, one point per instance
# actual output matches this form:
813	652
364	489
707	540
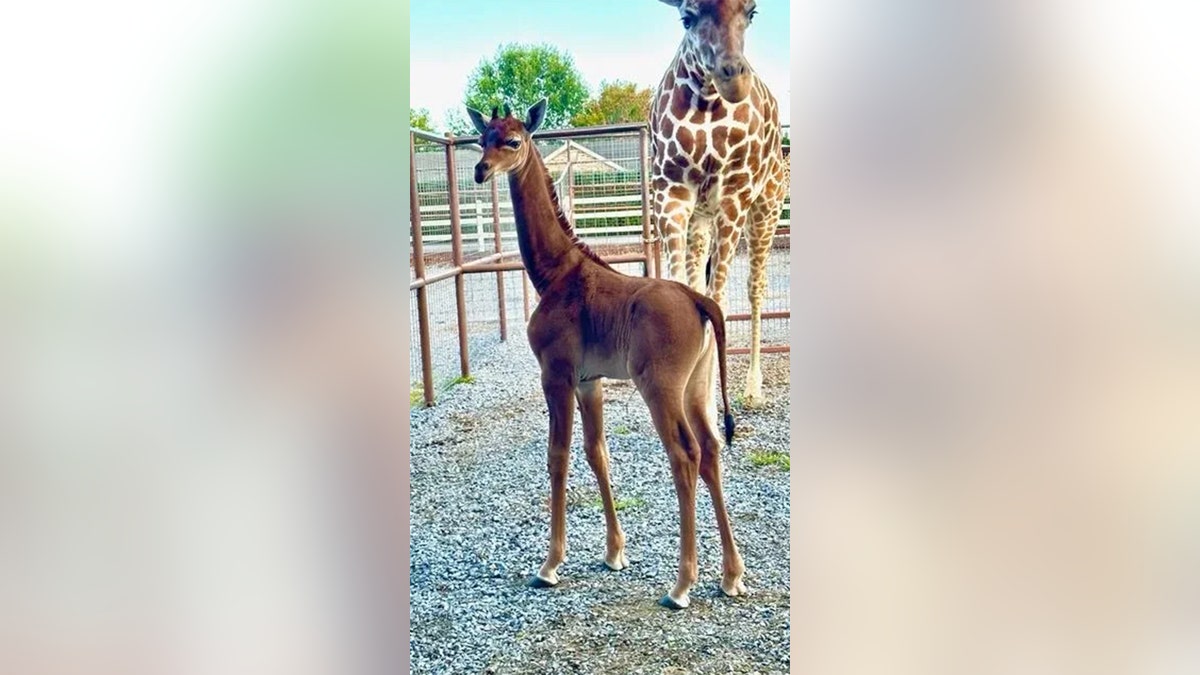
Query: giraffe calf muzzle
483	171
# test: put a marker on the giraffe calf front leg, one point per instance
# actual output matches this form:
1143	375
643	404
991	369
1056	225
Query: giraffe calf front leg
558	394
547	575
591	408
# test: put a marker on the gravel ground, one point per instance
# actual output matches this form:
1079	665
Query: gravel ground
480	523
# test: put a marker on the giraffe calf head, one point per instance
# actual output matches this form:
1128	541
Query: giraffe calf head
505	140
715	31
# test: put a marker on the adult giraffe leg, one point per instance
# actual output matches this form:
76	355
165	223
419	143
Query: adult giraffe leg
557	389
666	409
728	233
699	248
764	218
591	409
672	211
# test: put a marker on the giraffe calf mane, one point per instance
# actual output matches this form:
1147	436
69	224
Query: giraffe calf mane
563	222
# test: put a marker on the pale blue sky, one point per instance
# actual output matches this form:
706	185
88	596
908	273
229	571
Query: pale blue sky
630	40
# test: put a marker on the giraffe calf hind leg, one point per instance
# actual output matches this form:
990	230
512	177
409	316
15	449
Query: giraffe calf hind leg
666	409
732	567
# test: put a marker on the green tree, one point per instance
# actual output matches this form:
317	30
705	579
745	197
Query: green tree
418	118
617	102
458	124
520	75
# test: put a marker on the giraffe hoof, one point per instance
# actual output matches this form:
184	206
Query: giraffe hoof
617	563
541	580
734	589
545	578
671	603
752	401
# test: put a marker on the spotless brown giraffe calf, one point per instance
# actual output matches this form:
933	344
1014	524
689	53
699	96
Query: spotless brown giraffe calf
593	322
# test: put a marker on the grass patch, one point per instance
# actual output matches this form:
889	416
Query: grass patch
621	430
621	504
416	394
771	458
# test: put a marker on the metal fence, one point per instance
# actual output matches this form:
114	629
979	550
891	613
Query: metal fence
465	233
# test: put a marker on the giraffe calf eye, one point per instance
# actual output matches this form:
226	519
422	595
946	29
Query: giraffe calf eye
689	20
513	143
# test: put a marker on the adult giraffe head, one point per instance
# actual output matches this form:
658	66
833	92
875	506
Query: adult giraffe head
715	32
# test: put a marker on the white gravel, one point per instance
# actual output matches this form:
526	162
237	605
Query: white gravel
480	524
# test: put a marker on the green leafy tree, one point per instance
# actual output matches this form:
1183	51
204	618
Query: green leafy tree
458	124
418	118
520	75
617	102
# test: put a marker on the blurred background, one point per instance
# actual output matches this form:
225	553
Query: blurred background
202	399
994	295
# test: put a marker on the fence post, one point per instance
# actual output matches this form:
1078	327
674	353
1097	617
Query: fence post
479	247
651	261
570	179
418	253
460	290
499	275
525	293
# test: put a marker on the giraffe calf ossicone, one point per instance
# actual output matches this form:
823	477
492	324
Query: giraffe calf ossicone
593	322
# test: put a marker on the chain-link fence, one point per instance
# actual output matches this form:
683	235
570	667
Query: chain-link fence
469	290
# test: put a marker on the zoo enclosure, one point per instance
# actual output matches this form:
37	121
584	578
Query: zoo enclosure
464	232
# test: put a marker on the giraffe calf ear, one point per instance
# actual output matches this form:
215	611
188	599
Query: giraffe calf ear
477	119
536	115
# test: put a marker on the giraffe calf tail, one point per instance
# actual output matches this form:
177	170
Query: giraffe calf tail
710	310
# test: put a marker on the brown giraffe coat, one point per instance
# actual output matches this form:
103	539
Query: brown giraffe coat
593	322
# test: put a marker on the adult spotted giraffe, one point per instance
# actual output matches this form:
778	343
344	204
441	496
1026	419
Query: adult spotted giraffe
718	163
